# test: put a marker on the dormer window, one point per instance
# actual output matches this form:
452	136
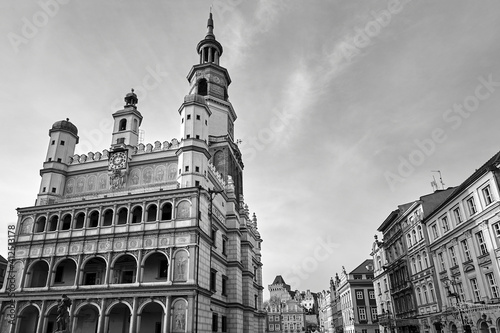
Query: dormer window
123	125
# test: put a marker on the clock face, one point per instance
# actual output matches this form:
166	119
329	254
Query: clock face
117	161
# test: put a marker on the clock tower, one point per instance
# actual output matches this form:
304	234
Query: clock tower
211	81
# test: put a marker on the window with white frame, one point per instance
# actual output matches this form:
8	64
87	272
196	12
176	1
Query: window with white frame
434	230
493	285
475	290
414	236
419	260
481	243
453	256
414	264
444	224
460	290
431	292
426	260
458	215
420	232
371	294
441	261
471	205
362	313
359	294
487	195
271	327
466	250
374	314
408	239
496	228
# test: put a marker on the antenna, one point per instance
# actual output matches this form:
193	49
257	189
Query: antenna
440	178
434	184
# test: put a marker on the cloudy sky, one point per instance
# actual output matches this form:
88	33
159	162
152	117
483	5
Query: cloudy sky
344	107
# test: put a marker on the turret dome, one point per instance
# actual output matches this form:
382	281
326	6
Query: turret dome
64	125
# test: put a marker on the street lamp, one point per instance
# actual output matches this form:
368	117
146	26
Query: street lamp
453	283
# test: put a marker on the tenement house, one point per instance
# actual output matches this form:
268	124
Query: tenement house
144	238
464	236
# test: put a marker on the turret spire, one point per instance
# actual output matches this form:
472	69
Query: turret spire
210	27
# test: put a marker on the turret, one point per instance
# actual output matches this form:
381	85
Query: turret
126	123
63	139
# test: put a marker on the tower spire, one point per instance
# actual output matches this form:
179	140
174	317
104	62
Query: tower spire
210	26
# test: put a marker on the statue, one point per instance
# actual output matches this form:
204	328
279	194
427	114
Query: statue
62	320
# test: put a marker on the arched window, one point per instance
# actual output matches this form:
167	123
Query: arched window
426	260
123	125
80	219
419	259
53	223
122	216
137	214
166	212
136	125
414	234
202	87
414	264
408	239
107	217
431	292
420	232
151	213
40	224
66	223
426	299
94	219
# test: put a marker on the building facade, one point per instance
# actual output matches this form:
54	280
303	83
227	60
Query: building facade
464	237
144	238
357	299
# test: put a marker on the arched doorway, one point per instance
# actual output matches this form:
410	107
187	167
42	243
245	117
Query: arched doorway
484	328
119	319
28	319
453	328
152	318
86	319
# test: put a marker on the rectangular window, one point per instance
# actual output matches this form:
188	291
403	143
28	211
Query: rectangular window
224	285
224	324
188	136
277	327
371	294
434	230
441	261
374	314
213	280
271	327
453	256
458	216
364	330
445	224
198	117
481	243
362	313
224	246
186	168
359	294
197	137
197	169
460	290
53	142
62	142
475	290
487	195
493	285
496	228
471	205
44	189
188	116
54	190
466	250
215	322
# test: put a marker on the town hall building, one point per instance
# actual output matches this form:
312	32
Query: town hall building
144	237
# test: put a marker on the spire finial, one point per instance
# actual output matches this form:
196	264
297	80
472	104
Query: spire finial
210	26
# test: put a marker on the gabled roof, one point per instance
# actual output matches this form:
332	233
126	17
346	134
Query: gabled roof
486	167
361	269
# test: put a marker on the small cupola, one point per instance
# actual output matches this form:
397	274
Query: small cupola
209	49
